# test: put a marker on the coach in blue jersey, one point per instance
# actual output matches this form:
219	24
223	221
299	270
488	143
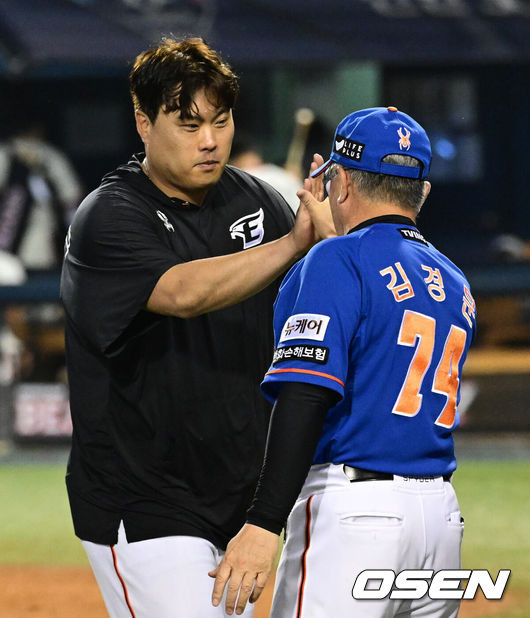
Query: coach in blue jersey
371	329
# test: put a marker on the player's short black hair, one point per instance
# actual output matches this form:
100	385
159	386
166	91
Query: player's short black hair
406	192
168	77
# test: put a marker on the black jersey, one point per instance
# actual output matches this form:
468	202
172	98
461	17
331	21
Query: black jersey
169	423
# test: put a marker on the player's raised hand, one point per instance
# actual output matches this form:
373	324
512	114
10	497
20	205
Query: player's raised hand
312	198
320	213
245	568
315	185
303	235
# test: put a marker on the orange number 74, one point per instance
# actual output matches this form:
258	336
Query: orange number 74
420	328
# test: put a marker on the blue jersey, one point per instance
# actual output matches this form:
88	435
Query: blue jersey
383	318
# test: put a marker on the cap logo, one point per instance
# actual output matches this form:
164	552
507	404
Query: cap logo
404	140
348	148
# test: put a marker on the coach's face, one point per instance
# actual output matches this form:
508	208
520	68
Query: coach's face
185	157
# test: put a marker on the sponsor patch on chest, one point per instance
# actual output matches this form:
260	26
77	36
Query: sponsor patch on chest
305	326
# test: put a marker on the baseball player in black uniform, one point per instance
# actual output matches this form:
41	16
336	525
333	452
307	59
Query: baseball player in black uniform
168	283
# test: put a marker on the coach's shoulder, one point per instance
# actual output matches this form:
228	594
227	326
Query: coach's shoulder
337	245
332	250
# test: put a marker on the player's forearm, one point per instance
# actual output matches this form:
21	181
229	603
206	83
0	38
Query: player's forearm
193	288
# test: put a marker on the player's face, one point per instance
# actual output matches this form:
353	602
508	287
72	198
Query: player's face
186	156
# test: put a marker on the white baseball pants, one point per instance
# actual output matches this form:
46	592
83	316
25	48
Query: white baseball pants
158	578
338	529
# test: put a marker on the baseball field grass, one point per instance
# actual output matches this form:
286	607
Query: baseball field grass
36	530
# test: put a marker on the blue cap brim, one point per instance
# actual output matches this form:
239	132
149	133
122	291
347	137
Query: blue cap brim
321	169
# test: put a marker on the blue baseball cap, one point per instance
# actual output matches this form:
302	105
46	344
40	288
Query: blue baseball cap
364	138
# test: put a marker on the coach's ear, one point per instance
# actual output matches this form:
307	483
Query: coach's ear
426	191
345	185
143	125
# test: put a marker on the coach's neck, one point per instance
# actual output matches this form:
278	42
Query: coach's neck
351	207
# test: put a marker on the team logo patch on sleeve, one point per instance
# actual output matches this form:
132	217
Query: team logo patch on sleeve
410	234
308	353
305	326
